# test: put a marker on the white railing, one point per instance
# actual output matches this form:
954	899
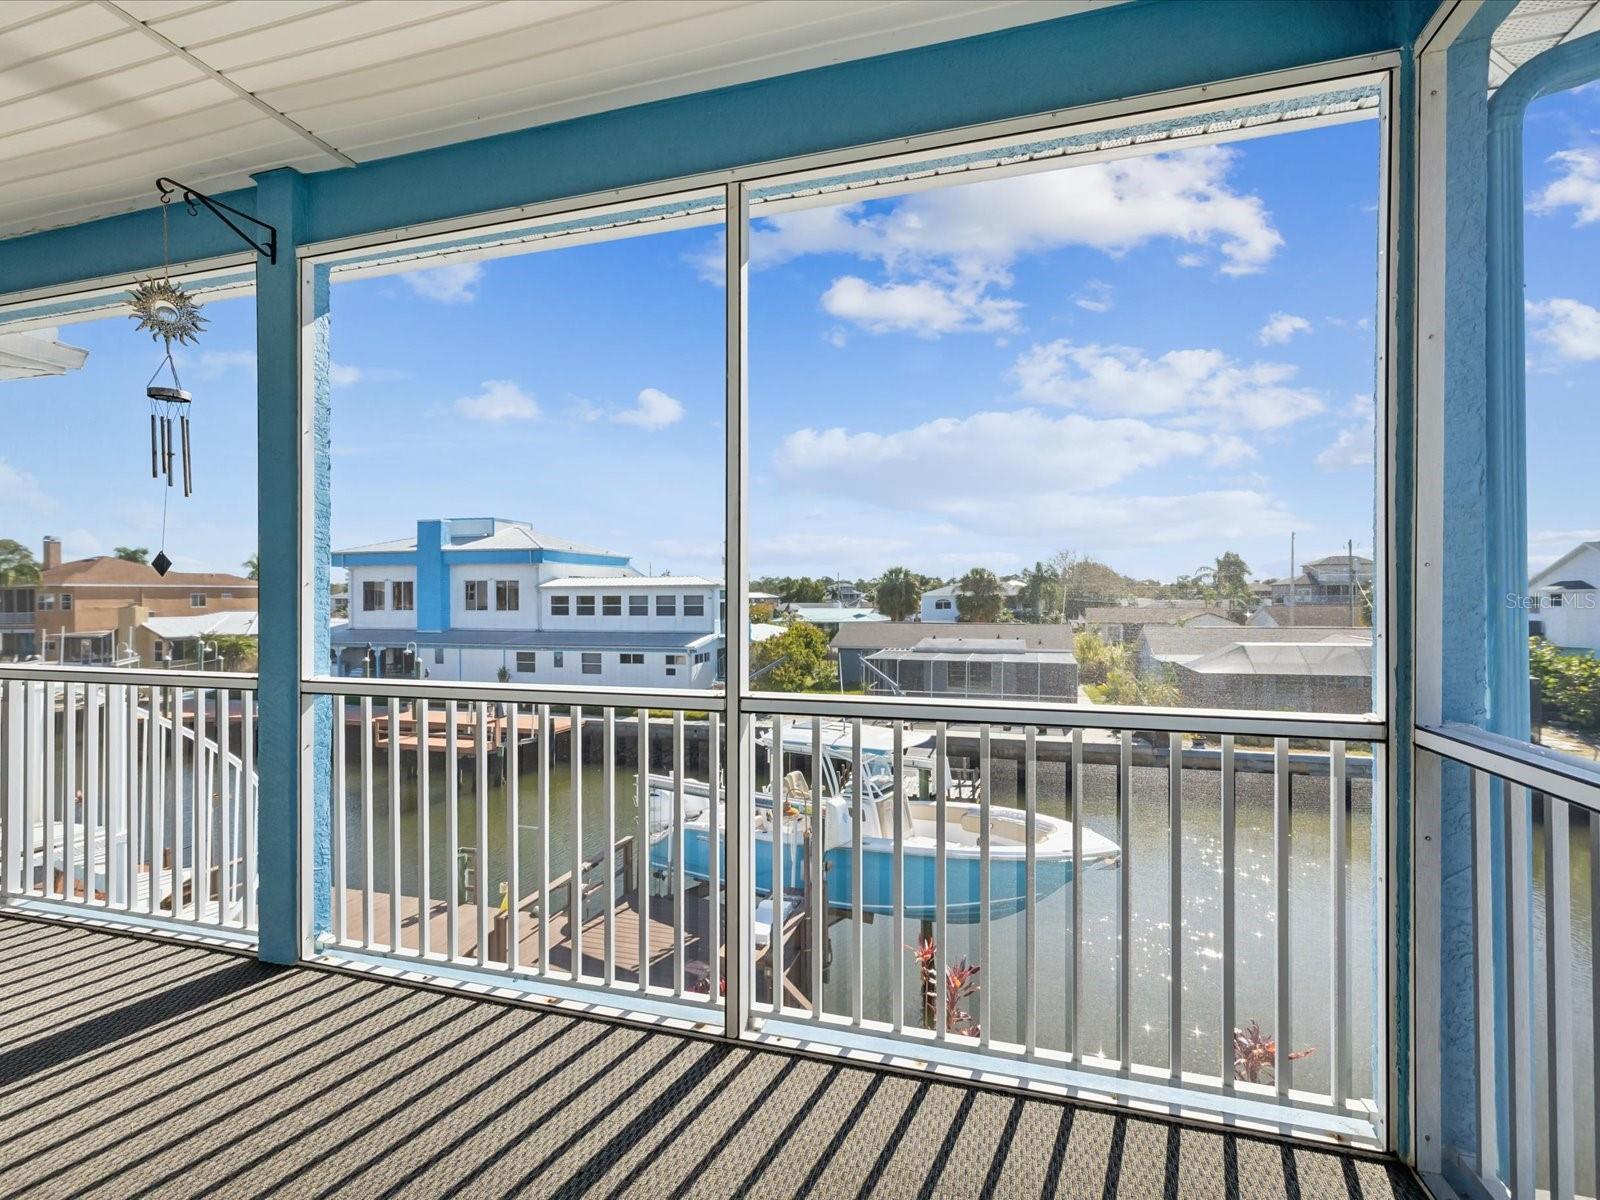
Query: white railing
1537	979
129	794
528	840
1164	916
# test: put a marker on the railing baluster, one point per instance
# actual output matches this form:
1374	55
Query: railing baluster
714	855
575	878
395	890
608	763
1230	947
940	877
1520	1014
367	838
175	727
678	897
513	759
1030	937
1175	906
11	836
47	786
546	756
340	846
897	882
857	816
452	827
985	874
1125	903
480	878
1075	950
93	787
247	774
1558	996
199	819
1483	938
69	783
1283	966
1339	1048
819	875
1594	981
641	855
775	761
424	830
225	878
155	799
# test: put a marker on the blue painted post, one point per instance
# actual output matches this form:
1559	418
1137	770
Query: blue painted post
288	734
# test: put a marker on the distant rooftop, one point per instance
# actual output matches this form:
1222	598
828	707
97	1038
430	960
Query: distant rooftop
884	634
228	624
632	581
1333	657
829	614
485	533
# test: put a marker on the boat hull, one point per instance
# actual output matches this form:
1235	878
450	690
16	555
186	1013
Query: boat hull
1008	889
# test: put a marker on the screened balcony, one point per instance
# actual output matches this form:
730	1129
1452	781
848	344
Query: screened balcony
657	617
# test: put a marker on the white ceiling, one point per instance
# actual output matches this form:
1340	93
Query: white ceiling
1535	26
99	97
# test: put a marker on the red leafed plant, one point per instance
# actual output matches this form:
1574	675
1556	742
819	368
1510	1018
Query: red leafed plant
1255	1052
959	989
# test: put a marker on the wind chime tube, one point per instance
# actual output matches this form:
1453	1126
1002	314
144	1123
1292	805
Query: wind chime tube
188	478
166	447
155	449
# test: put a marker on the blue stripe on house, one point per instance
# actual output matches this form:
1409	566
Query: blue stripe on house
433	577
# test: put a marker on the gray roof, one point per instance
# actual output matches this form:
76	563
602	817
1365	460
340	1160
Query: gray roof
507	535
526	639
946	654
901	634
1328	615
1179	643
1147	614
1331	657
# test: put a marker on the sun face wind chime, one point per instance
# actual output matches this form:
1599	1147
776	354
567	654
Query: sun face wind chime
169	314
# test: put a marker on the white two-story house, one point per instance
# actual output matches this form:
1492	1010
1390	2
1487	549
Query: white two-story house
483	598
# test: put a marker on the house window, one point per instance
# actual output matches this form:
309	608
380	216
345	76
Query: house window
586	606
694	606
527	661
438	657
196	600
639	606
66	601
666	606
611	606
477	595
404	594
507	595
47	600
631	660
560	659
591	663
372	597
560	606
941	604
703	657
674	661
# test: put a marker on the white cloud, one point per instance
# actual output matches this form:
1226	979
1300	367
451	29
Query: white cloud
1095	296
1577	187
1191	260
946	464
653	409
342	375
1280	327
1186	384
20	490
455	283
1355	444
498	400
1569	327
924	308
213	364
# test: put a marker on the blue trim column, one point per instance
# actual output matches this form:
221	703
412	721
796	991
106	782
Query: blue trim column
281	201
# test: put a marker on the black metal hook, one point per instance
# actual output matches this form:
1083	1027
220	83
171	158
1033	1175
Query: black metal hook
220	209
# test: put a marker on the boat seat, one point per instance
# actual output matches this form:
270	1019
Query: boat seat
795	786
1009	828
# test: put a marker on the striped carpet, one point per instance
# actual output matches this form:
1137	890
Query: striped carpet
136	1068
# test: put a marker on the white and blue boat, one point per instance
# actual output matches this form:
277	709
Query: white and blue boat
919	817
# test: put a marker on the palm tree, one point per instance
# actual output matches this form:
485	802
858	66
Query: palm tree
899	594
252	566
978	595
135	554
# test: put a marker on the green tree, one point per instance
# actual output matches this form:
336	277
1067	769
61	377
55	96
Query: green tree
978	597
792	590
252	566
1042	592
135	554
236	651
795	660
1086	582
899	593
17	564
1097	658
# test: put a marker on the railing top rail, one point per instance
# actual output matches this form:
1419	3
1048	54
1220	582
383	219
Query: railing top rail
1536	767
686	699
59	673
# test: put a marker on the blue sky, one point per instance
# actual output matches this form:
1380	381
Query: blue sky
1562	246
1147	361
